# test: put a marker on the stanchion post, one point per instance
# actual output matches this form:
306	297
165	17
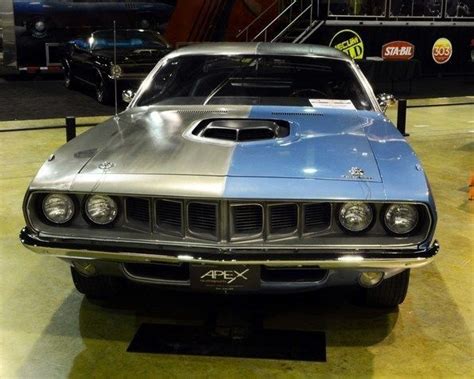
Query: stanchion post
402	117
70	128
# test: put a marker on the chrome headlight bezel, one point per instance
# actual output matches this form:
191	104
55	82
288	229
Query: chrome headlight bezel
367	226
389	207
93	219
70	203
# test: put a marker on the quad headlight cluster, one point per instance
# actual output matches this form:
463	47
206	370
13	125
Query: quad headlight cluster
61	208
358	217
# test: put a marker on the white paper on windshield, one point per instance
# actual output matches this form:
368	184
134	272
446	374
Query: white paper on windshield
332	103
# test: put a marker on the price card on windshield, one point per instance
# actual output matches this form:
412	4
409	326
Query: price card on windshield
332	103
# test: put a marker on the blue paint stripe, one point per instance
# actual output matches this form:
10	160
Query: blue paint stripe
311	162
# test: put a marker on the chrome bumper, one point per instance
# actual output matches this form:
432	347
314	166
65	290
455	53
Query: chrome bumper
347	259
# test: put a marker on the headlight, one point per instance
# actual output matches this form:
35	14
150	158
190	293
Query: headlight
58	208
101	209
356	217
115	71
401	218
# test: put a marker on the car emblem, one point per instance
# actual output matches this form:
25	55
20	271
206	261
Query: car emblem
356	172
106	165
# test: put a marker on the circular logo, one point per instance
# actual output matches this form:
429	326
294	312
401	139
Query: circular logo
442	51
348	42
115	71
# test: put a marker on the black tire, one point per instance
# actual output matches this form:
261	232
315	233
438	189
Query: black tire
102	92
97	287
390	293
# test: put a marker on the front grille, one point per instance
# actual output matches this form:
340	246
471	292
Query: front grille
182	218
169	215
138	209
283	218
317	217
247	219
202	218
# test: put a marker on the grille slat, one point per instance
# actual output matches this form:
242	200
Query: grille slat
138	209
169	215
317	217
283	218
202	218
247	219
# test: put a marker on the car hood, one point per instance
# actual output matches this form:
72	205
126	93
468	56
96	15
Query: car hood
320	145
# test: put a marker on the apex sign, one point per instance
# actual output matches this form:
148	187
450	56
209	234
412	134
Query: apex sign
398	51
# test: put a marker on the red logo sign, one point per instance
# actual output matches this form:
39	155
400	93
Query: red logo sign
398	51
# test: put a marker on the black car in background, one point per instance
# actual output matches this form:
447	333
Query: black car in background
90	60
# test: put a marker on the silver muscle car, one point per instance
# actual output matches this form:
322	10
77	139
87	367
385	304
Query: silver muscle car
239	168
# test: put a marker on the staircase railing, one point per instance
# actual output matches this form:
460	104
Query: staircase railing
315	25
308	9
300	16
247	28
264	31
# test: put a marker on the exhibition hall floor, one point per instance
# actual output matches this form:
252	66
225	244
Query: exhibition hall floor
49	330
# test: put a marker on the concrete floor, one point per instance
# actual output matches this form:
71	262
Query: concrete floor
47	329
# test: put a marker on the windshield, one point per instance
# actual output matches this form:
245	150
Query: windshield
254	80
127	39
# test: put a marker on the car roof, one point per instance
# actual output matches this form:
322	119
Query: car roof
260	48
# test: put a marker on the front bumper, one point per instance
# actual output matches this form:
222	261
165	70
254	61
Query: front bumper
120	252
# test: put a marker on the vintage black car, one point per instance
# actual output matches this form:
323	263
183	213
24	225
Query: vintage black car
91	60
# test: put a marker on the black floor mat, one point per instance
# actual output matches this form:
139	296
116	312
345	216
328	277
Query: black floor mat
230	342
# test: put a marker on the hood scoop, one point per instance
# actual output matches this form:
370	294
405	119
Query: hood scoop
242	130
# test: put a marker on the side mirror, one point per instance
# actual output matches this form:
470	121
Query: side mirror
127	96
384	100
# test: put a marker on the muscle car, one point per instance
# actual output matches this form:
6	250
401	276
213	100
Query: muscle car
239	168
91	60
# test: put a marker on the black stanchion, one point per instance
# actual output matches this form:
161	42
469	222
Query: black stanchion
402	117
70	128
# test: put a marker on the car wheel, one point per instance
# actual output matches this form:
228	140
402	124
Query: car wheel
390	292
97	287
102	92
